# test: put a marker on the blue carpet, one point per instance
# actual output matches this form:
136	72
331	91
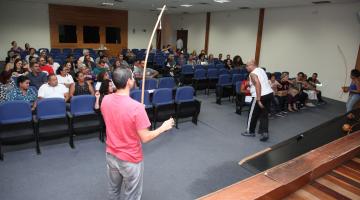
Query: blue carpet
182	164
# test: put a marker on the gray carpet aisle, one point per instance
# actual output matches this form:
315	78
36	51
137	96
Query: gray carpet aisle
181	164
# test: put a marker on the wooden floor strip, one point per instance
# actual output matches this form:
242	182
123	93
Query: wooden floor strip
348	173
329	191
353	165
357	160
337	188
343	184
318	193
345	179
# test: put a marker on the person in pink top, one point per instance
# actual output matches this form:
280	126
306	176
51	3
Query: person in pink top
126	128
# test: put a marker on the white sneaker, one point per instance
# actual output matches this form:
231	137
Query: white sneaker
310	104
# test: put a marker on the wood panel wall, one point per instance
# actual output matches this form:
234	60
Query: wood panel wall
86	16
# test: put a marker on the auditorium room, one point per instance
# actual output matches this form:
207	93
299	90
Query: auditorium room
179	99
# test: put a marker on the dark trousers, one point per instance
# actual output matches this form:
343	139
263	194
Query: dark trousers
256	113
319	97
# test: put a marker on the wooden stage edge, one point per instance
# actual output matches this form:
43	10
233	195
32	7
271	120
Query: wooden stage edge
284	179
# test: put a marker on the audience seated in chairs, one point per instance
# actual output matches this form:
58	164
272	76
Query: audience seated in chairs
23	92
20	68
86	53
81	86
53	90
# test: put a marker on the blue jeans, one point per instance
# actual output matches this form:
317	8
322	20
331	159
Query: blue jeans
125	179
353	99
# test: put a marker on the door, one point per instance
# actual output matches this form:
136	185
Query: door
183	34
158	39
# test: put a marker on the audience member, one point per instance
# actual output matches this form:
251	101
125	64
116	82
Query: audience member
6	84
100	68
19	69
211	59
220	57
15	48
237	62
353	89
314	82
44	66
53	90
105	89
276	104
202	60
150	73
54	65
228	62
32	53
63	75
37	77
27	48
86	52
87	61
23	92
81	86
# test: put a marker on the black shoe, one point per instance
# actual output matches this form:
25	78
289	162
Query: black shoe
264	137
247	134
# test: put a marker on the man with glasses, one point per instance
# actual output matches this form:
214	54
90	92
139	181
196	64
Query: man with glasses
139	68
126	128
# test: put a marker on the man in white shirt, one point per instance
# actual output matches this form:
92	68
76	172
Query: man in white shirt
262	94
179	44
53	90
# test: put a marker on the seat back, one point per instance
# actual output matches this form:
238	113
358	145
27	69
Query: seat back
220	66
150	84
200	74
166	82
162	96
223	71
236	78
235	71
237	87
51	108
224	79
82	105
277	75
187	69
211	66
136	95
212	73
198	67
15	112
184	94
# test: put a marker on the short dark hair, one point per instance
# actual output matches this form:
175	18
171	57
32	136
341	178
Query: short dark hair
355	73
32	64
315	73
50	75
21	79
121	76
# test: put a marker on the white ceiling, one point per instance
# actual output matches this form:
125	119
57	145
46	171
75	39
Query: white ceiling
198	6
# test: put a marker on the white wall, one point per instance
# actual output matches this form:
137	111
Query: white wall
140	20
234	33
196	26
23	22
306	38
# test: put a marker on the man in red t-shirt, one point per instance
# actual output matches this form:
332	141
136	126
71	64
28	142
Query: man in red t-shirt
126	128
45	67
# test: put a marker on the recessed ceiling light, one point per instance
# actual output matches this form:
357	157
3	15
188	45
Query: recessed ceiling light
107	4
186	5
222	1
244	8
203	3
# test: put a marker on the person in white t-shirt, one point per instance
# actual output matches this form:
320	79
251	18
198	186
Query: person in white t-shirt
63	76
179	44
262	95
53	90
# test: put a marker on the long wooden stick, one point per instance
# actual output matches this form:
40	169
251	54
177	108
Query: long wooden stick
147	54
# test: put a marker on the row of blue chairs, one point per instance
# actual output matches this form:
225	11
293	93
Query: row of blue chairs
19	112
161	104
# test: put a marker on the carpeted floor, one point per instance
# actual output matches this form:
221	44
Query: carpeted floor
182	164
